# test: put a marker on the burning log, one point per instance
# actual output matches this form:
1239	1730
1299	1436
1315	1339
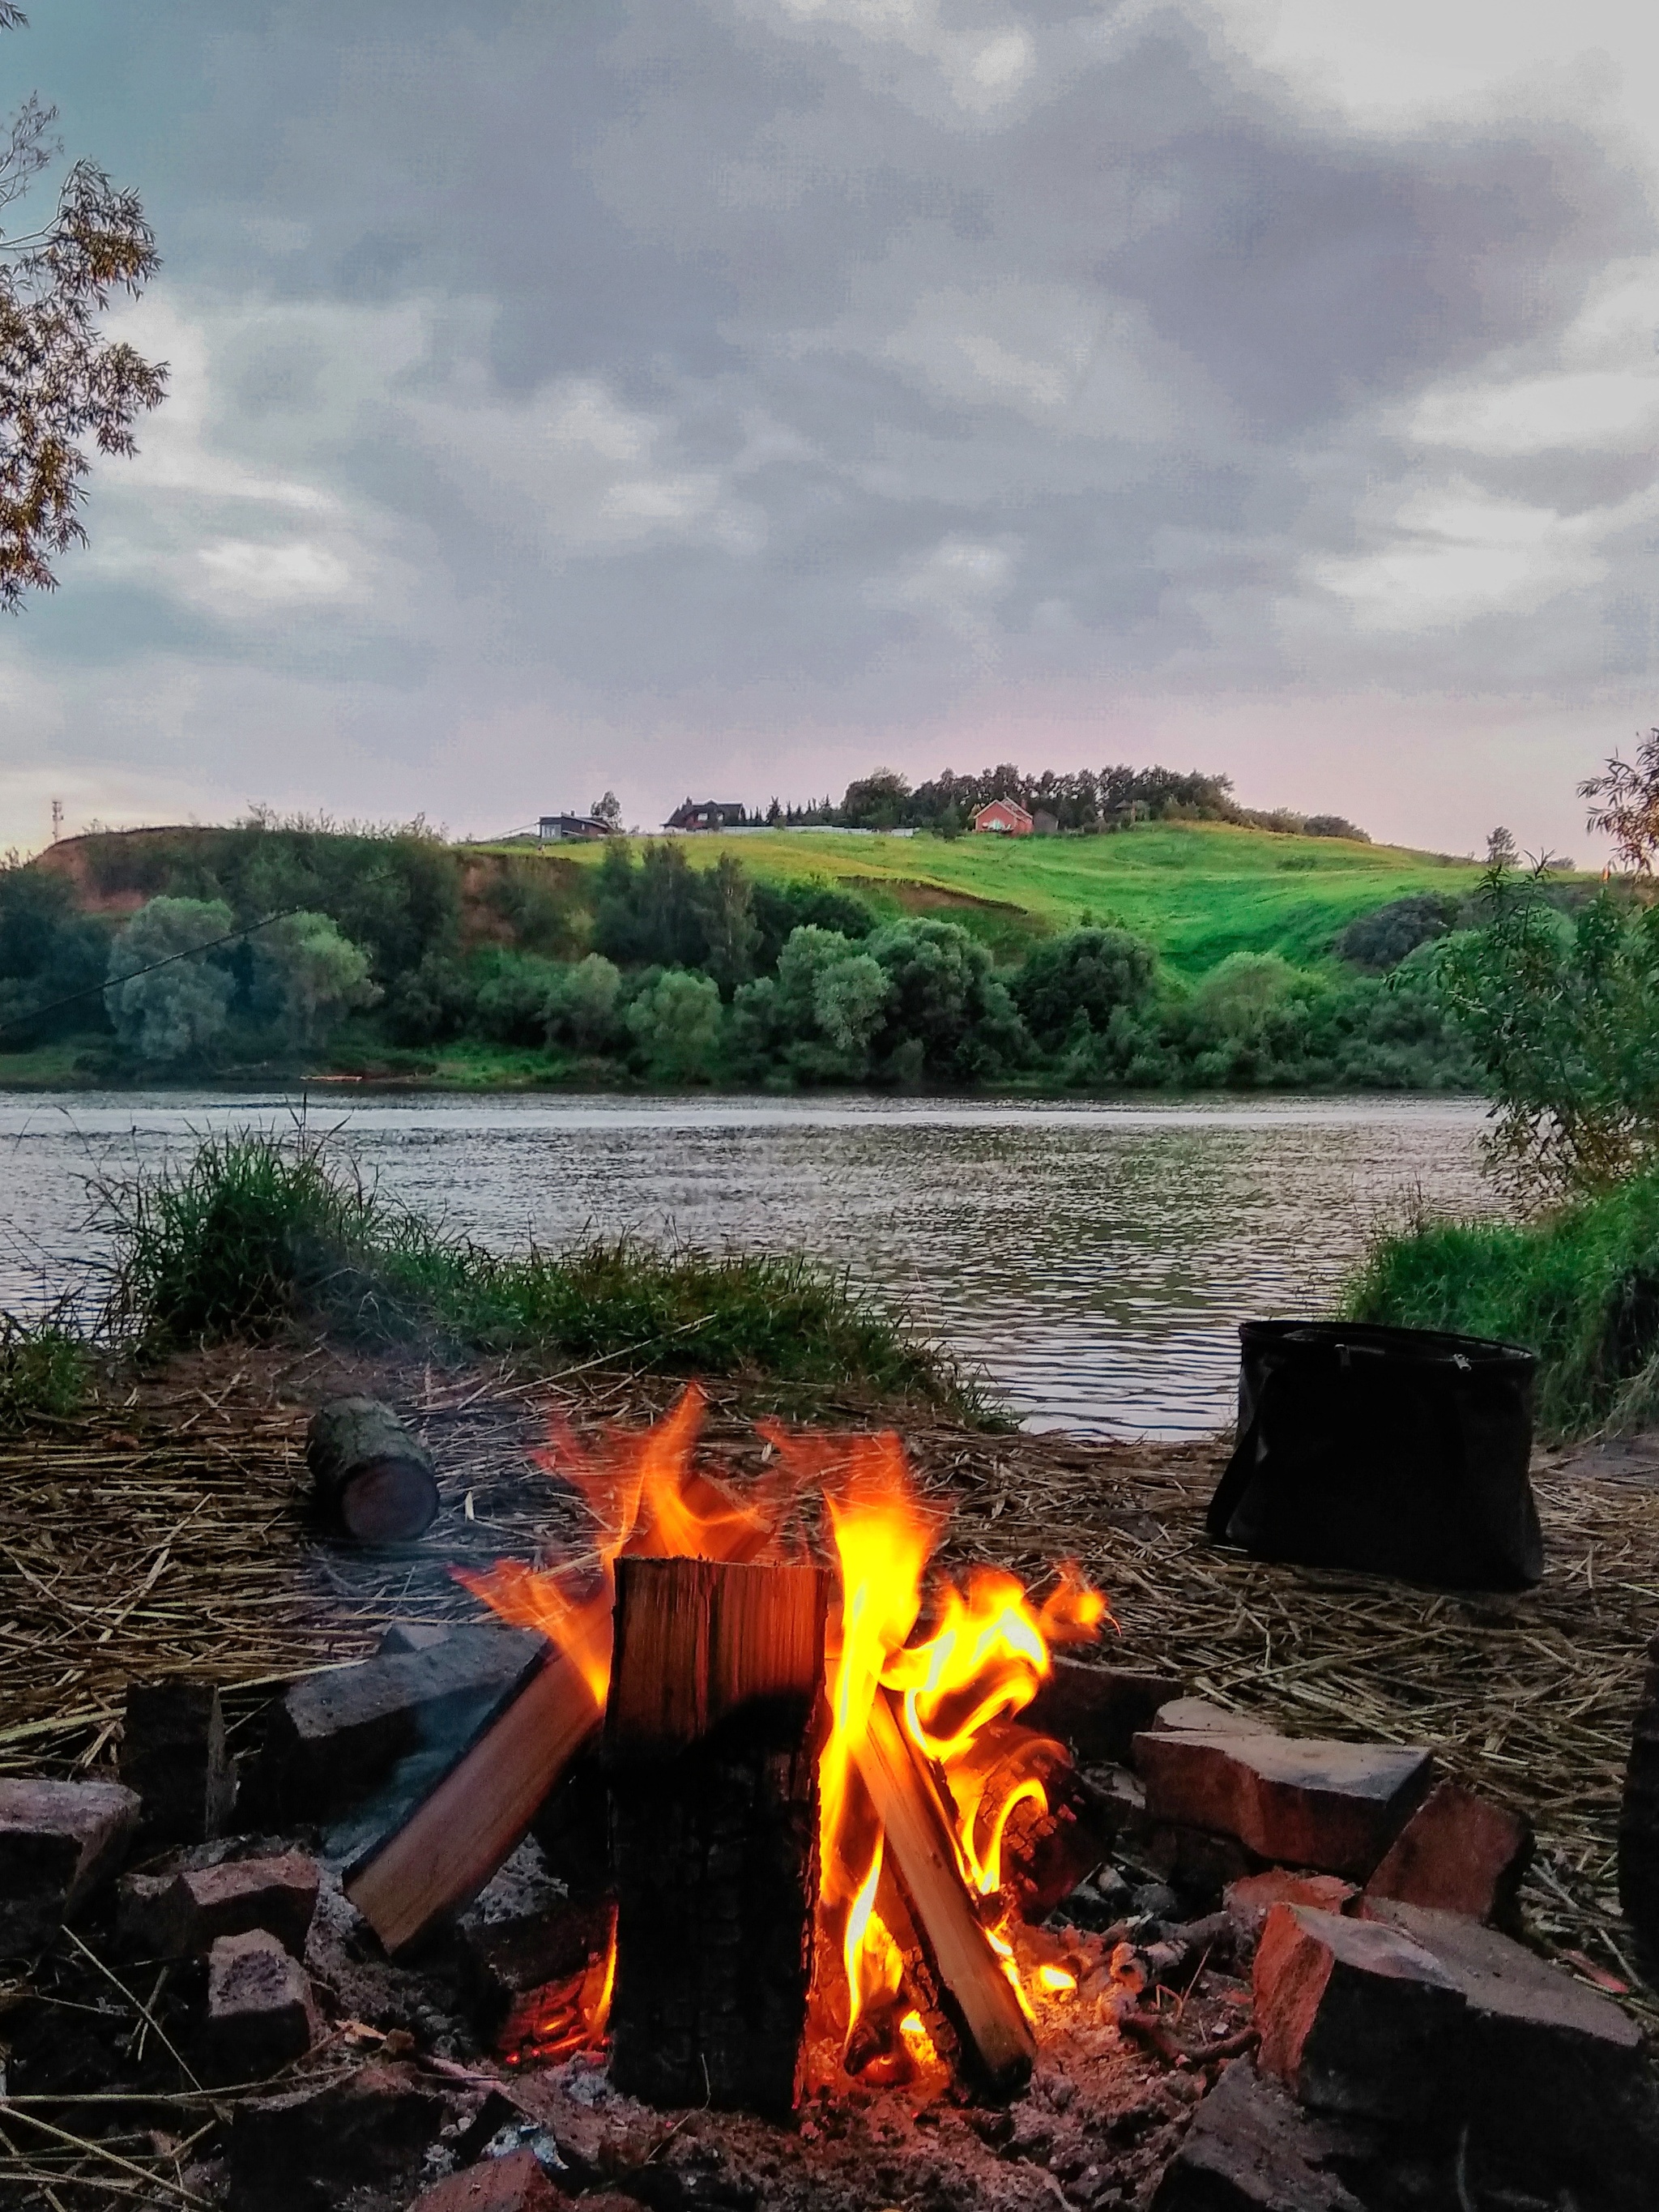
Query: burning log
712	1741
957	1965
373	1477
440	1857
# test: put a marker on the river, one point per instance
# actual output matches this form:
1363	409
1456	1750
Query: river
1094	1259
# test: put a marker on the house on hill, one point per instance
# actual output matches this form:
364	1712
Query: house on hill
1005	817
707	814
569	829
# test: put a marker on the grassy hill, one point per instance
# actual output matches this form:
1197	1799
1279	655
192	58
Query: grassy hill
1197	891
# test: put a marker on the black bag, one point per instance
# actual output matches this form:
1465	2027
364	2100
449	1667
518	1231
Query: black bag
1398	1451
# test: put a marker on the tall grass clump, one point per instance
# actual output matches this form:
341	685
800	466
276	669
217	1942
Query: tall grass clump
258	1233
1579	1285
45	1368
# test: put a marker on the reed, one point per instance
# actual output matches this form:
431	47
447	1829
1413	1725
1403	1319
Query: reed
44	1370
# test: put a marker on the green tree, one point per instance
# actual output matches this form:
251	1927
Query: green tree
308	977
876	801
1091	971
181	1010
48	953
582	1009
946	1017
676	1022
724	902
60	383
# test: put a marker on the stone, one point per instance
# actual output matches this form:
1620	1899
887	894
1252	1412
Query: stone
58	1842
1250	2149
1355	2017
336	1735
515	2183
261	2012
174	1754
1098	1710
184	1915
1249	1900
1198	1715
302	2151
1459	1852
1292	1800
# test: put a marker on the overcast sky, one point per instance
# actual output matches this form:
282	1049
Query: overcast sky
724	396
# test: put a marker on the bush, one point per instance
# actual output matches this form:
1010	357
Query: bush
48	953
515	996
1089	971
782	909
306	977
43	1369
1580	1287
582	1009
1379	941
946	1017
177	1012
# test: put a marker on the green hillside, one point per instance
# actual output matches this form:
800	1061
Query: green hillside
1197	891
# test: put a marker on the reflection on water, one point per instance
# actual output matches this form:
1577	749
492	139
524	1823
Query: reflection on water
1095	1258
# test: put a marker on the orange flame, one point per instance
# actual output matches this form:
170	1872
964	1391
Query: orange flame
960	1686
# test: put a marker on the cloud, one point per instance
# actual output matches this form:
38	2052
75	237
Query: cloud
604	392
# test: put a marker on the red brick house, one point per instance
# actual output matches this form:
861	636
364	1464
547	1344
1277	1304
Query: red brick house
1005	817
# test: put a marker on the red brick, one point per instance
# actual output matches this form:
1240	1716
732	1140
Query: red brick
260	2009
514	2183
59	1841
1248	1902
1354	2016
1457	1853
304	2150
1250	2149
1300	1802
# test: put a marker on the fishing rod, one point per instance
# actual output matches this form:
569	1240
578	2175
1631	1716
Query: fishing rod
114	982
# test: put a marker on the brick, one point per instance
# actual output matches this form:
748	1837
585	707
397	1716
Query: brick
1302	1802
1197	1716
1459	1852
302	2152
260	2009
174	1754
1355	2017
514	2183
1250	2149
413	1635
1249	1901
184	1915
505	1962
59	1841
1097	1711
335	1736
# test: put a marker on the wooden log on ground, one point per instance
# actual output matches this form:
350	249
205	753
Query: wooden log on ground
374	1479
996	2044
711	1740
172	1753
442	1855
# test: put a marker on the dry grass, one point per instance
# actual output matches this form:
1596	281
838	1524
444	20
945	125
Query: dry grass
169	1532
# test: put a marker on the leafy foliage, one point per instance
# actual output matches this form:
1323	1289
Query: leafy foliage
1378	941
1090	972
676	1023
52	958
163	1005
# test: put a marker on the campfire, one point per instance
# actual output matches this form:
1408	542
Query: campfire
830	1832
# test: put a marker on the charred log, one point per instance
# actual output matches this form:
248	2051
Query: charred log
711	1742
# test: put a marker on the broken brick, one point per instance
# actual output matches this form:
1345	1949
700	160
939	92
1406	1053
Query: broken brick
513	2184
1293	1800
1250	2149
1355	2017
1457	1853
260	2009
413	1635
336	1735
1198	1715
174	1754
1249	1900
302	2151
1097	1711
506	1962
59	1841
184	1915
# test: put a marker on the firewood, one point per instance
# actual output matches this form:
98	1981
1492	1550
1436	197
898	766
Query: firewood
995	2043
442	1855
373	1477
711	1742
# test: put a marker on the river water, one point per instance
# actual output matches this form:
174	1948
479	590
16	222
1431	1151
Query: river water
1093	1258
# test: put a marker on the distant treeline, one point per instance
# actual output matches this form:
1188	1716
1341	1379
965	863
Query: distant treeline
267	945
1080	802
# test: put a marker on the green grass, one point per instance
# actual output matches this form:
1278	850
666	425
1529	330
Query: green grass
45	1368
257	1234
1197	891
1580	1287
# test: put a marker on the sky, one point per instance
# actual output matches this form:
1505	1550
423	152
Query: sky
720	397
